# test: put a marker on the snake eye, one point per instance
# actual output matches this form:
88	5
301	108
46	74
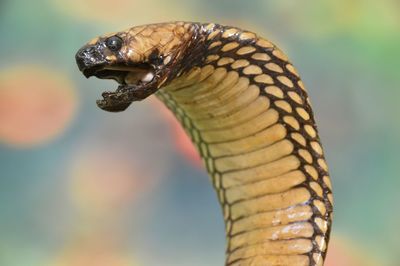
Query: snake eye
114	43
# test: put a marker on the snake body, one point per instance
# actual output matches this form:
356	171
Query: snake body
246	110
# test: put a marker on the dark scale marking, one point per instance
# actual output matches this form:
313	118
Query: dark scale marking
303	95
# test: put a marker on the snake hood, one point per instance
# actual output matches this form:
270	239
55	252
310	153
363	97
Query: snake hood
141	59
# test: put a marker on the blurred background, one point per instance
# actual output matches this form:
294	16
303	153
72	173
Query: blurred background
83	187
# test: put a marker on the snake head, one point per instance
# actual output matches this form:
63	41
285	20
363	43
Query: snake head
141	59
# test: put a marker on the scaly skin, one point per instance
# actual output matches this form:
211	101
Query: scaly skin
245	108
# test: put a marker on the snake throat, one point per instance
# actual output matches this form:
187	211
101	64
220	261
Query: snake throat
248	113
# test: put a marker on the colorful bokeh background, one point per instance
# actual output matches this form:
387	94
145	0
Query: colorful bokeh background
82	187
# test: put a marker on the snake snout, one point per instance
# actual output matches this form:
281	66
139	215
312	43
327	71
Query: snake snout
87	58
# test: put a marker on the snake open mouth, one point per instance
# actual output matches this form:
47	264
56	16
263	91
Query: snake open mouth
126	75
136	82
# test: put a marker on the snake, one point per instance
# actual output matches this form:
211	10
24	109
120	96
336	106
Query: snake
246	110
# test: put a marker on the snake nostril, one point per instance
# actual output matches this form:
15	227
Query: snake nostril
84	57
86	52
88	56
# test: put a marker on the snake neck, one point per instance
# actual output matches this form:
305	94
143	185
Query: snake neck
246	110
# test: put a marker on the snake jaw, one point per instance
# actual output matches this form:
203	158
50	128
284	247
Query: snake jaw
135	84
127	93
111	102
